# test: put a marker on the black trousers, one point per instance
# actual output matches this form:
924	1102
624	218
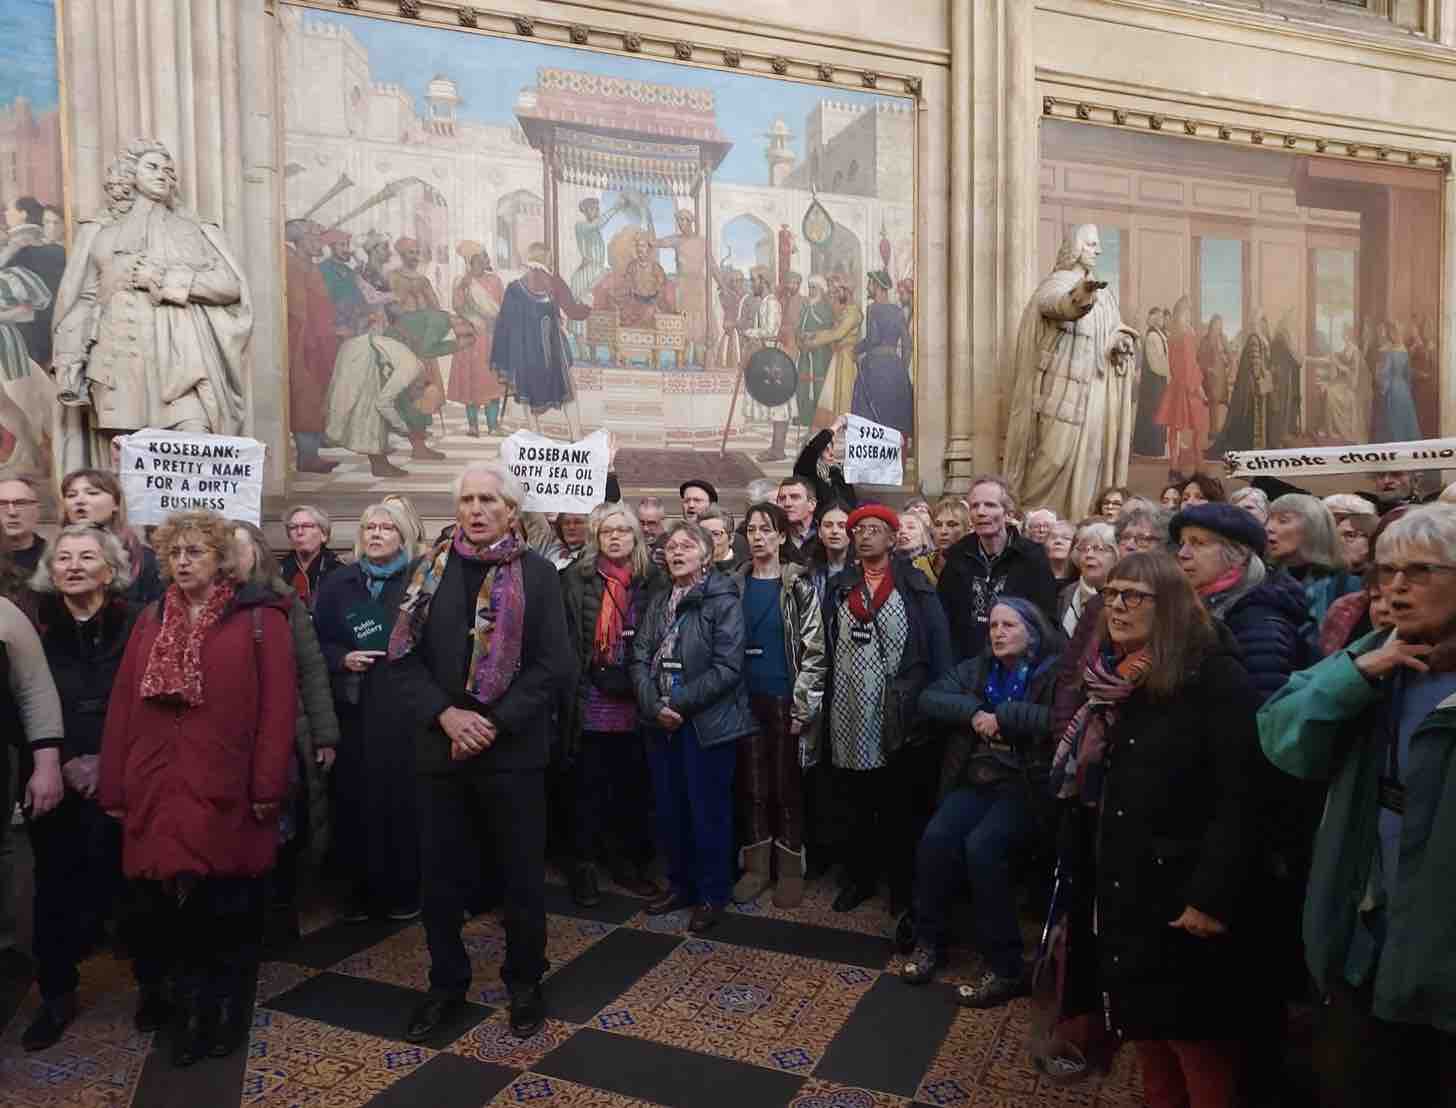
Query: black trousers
209	938
889	808
1365	1062
613	798
78	879
467	818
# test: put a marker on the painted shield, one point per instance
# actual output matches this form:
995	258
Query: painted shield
771	378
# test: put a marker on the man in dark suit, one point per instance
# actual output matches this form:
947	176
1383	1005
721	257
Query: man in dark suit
480	649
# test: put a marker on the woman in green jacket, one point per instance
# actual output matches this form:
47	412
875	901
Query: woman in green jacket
1378	722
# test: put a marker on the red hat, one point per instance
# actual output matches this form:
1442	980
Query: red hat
874	511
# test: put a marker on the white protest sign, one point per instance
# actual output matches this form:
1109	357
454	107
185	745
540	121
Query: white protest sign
873	453
179	471
559	476
1379	457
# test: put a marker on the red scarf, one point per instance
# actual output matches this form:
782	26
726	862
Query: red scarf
882	590
616	598
174	667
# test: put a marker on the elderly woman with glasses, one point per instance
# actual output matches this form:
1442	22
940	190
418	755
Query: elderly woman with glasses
1154	771
94	496
84	622
309	559
1302	540
1374	722
607	591
687	670
376	821
194	762
1094	554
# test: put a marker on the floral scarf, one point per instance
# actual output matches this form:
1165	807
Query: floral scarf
1077	765
174	667
500	612
611	616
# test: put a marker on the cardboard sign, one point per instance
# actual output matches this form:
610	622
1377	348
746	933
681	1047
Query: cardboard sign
370	625
1316	461
873	453
559	477
163	472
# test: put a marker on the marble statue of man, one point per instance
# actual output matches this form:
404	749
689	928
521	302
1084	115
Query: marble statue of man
152	315
1074	399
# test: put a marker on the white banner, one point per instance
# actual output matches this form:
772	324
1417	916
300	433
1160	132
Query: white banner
873	453
559	477
1379	457
178	471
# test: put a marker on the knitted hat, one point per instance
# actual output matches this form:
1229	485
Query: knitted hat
1232	523
874	511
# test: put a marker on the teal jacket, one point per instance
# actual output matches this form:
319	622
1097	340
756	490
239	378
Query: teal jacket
1324	725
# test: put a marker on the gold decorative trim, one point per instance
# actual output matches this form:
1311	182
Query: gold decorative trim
1057	107
653	44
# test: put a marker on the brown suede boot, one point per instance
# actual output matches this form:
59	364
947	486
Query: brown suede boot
755	872
789	879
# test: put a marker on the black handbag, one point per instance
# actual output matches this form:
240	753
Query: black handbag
611	680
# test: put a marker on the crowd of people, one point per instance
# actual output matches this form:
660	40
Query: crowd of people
1206	736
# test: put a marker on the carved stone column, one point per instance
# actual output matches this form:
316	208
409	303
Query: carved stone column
199	75
959	462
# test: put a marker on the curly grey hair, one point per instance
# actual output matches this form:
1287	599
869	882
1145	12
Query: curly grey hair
112	549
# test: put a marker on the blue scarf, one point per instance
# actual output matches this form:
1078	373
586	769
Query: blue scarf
1004	684
375	575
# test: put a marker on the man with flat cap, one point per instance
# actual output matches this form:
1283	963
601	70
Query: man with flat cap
698	495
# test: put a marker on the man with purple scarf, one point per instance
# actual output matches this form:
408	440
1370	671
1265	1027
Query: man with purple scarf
480	648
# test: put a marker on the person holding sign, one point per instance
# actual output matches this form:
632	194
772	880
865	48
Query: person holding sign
478	656
376	824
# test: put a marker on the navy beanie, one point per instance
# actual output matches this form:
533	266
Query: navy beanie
1231	522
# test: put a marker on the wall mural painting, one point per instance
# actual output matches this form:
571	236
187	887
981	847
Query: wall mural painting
1283	300
32	231
486	234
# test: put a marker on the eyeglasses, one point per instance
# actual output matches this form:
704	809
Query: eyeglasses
190	553
1416	573
381	529
310	526
1142	541
1095	548
608	532
871	529
17	505
1131	599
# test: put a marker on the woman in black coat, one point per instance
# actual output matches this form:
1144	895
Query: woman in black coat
376	824
1155	769
687	670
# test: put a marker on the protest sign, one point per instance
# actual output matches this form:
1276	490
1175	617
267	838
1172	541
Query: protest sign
559	477
181	471
1318	461
873	453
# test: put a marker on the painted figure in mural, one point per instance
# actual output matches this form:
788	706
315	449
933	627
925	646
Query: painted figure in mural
375	245
27	394
905	290
418	321
591	246
758	278
529	350
764	331
368	394
1397	408
1342	393
729	352
882	386
816	318
645	285
30	248
1183	410
1286	418
1216	363
1425	370
838	390
1072	405
313	342
477	299
152	316
791	300
53	224
1247	425
1148	438
691	251
351	314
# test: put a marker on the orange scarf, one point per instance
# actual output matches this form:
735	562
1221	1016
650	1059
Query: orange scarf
611	616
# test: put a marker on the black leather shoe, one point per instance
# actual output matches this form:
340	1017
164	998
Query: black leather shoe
232	1027
851	897
50	1022
193	1028
669	901
528	1011
433	1012
705	918
586	891
153	1009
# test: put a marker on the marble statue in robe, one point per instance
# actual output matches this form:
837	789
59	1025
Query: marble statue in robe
1073	403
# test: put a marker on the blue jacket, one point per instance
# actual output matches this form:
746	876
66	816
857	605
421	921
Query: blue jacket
1268	613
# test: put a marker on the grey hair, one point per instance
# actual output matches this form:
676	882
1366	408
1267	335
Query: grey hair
318	515
1156	519
1037	513
1432	526
1348	504
650	502
1138	503
1259	498
396	517
1319	545
512	491
715	512
762	488
640	559
112	549
694	532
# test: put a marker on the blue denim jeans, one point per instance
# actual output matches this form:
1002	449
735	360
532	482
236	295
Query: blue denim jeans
693	789
971	837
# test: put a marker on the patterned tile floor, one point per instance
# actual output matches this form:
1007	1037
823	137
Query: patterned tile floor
775	1008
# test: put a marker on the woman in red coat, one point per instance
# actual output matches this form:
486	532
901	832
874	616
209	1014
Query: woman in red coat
1184	407
194	762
